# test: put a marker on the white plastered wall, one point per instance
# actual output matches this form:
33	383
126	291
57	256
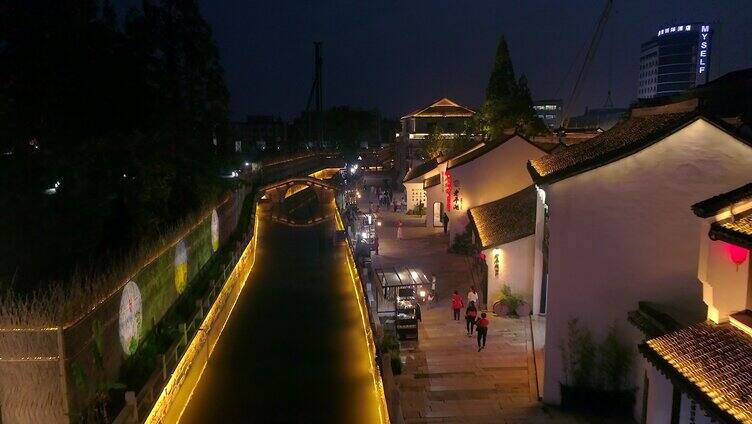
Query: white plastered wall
625	232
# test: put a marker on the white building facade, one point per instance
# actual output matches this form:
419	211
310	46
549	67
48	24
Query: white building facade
703	373
486	174
613	220
505	232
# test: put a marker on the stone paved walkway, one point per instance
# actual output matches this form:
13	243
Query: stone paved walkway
445	379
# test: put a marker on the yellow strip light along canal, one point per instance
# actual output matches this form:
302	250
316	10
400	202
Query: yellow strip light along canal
378	385
177	381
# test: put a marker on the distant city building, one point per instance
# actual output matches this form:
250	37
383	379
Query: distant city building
445	114
267	132
549	111
241	136
603	118
676	59
259	132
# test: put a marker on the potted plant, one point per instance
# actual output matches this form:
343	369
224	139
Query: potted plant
509	304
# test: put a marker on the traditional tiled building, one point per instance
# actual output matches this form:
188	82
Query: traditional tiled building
612	225
416	126
703	373
505	232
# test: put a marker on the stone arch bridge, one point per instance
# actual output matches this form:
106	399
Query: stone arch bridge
298	200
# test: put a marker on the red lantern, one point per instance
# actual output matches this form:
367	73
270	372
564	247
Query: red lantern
738	254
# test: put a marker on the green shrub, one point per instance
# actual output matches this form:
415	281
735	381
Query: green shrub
396	363
419	209
463	243
614	362
389	343
511	300
578	355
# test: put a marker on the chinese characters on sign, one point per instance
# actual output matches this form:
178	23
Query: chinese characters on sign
448	188
496	255
457	197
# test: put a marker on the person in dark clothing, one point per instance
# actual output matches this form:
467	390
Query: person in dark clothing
471	313
482	324
445	221
376	244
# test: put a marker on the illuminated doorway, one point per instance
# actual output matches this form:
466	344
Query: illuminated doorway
437	212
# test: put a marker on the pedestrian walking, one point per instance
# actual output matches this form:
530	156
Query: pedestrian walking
472	295
399	230
445	221
376	244
457	305
471	314
482	324
394	203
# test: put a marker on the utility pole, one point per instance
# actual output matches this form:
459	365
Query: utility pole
316	95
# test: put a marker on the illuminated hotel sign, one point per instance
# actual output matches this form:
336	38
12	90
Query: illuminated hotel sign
703	44
702	52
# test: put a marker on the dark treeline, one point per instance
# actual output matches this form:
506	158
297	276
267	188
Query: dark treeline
346	129
121	111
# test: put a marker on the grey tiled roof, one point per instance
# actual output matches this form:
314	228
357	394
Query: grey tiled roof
440	108
715	204
712	362
421	169
738	231
505	220
622	140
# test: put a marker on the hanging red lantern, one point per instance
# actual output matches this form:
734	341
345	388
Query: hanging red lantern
738	254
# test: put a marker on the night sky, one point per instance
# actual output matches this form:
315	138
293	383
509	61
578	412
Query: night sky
399	55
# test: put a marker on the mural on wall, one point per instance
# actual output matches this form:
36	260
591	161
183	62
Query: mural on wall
181	266
215	230
130	317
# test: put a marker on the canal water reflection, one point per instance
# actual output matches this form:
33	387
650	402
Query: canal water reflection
294	349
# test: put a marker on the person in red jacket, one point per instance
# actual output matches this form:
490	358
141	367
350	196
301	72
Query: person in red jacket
482	324
457	305
471	313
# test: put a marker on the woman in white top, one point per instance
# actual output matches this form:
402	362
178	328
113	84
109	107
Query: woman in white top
472	295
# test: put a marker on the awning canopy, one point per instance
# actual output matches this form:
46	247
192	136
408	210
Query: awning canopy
401	277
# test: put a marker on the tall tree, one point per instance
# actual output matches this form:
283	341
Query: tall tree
123	118
501	83
508	105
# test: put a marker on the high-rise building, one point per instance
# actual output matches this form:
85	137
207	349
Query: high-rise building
549	111
676	59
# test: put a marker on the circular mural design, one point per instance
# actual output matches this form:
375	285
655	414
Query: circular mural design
130	317
181	266
215	230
